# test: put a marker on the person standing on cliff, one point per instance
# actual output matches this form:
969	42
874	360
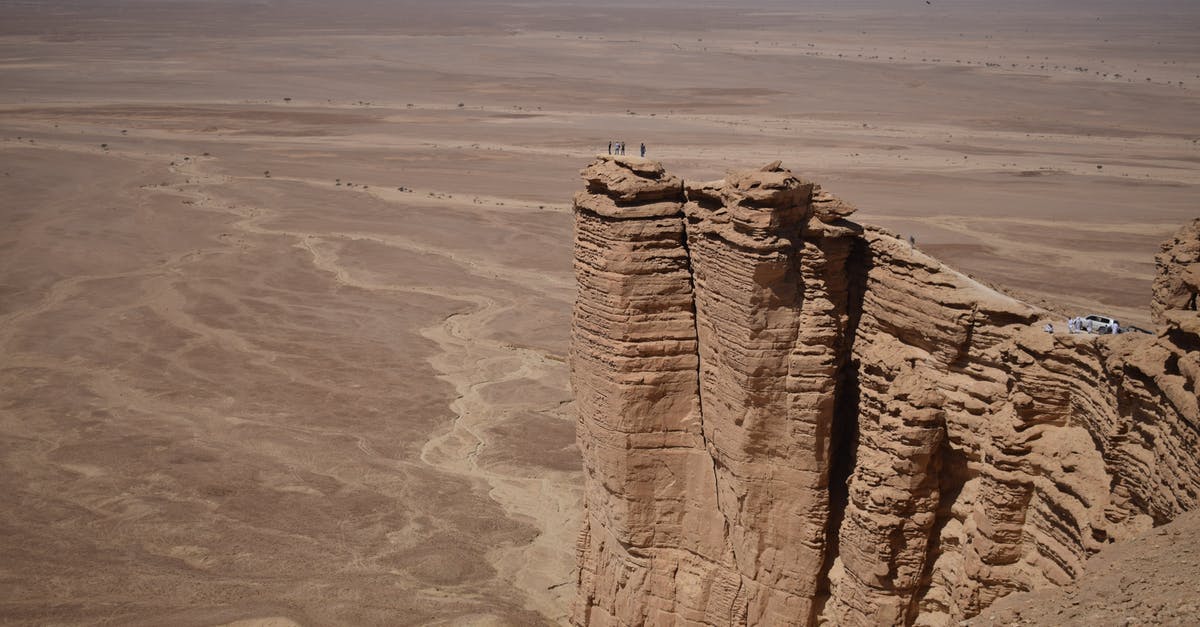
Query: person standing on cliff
1113	327
643	150
610	148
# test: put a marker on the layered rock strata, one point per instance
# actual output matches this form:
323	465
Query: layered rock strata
787	418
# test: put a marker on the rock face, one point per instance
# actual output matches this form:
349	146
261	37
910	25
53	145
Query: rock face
787	418
1176	288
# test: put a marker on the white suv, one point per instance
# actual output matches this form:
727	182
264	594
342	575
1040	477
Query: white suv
1095	323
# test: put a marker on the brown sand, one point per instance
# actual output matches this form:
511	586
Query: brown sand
337	393
1149	580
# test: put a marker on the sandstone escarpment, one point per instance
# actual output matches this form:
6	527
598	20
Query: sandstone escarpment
787	418
992	456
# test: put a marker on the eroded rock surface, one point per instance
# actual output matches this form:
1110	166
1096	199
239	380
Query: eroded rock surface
1178	278
787	418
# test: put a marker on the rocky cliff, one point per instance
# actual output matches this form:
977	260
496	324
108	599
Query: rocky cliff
789	418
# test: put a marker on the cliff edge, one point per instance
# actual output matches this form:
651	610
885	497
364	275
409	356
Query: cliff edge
789	418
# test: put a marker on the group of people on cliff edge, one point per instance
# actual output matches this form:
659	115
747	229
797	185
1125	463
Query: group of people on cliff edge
618	148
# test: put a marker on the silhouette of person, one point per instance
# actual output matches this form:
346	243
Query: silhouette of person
643	149
610	148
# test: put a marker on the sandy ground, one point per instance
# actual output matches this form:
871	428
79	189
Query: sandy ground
285	286
1153	579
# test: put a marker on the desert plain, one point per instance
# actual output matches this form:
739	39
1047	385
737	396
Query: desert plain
285	287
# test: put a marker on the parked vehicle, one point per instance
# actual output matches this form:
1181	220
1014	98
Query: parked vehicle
1095	323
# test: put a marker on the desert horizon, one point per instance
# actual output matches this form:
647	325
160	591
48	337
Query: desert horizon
286	287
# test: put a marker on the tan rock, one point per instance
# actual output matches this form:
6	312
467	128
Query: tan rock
786	418
628	179
1178	280
830	208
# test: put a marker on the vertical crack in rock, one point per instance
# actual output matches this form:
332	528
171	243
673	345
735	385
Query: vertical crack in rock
844	434
786	418
733	611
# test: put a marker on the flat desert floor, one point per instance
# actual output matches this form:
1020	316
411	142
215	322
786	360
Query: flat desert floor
285	286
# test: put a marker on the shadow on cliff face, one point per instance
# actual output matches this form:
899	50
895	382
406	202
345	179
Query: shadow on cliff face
953	473
1185	341
844	434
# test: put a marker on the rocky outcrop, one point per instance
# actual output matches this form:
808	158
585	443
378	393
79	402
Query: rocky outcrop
1174	307
992	456
1174	364
787	418
1178	279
